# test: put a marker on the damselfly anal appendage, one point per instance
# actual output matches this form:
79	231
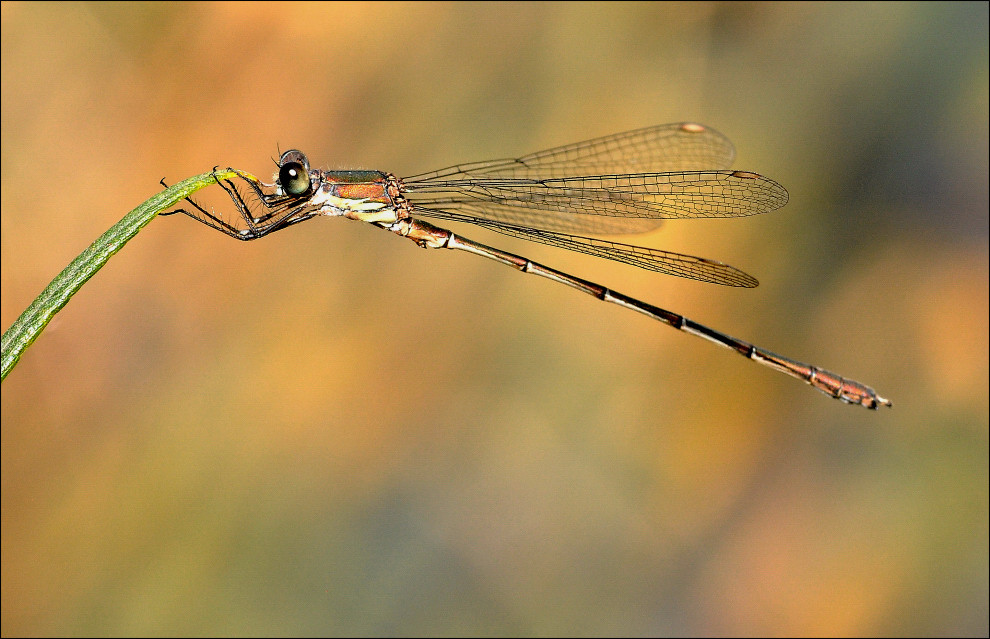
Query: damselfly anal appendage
618	184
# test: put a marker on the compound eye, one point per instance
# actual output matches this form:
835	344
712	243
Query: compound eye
294	178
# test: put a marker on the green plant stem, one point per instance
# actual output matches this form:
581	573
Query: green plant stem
32	321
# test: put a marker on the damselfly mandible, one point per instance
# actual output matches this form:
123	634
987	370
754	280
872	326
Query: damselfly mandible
622	183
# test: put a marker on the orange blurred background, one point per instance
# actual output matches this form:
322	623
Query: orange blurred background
328	432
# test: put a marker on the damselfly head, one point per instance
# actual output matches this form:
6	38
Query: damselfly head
293	173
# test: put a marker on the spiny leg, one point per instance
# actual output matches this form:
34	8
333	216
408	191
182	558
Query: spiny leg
278	207
253	228
281	211
207	218
269	200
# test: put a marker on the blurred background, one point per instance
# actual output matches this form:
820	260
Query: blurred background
330	432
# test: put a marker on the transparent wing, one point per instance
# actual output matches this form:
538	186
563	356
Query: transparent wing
678	195
553	220
687	266
655	149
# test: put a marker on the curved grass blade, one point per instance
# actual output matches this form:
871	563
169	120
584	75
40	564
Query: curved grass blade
32	321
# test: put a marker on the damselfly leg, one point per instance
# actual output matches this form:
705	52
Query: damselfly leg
261	209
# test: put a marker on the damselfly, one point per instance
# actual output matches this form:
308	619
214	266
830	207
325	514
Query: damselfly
622	183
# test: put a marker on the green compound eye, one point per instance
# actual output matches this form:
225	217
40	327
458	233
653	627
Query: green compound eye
294	179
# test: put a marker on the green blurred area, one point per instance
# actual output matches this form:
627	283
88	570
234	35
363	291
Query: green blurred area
328	433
